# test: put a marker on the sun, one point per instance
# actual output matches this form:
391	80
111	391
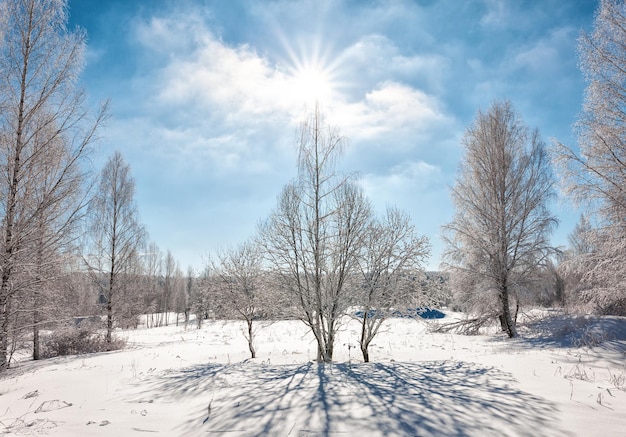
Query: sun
312	72
312	84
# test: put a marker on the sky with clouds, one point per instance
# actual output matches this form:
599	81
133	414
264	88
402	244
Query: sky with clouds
206	97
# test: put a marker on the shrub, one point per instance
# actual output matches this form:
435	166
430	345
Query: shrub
78	340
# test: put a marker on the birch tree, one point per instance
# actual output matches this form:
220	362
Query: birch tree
190	280
41	109
596	176
391	257
168	290
116	236
315	232
499	233
153	264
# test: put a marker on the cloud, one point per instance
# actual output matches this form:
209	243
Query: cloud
390	108
206	108
549	54
401	182
177	33
375	58
232	104
234	79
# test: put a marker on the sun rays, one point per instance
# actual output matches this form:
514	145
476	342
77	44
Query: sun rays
312	72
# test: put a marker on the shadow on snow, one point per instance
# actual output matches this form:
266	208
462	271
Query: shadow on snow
606	333
417	399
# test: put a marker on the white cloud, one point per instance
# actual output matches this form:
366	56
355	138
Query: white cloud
390	108
207	90
235	80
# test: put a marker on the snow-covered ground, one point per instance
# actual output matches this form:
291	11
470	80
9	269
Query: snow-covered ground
566	376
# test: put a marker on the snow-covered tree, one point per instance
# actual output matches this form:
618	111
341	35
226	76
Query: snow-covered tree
391	257
115	238
500	230
314	234
597	175
242	285
45	133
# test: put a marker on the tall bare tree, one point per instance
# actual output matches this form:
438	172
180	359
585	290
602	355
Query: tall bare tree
116	236
500	230
41	113
190	281
168	289
391	257
597	176
153	265
315	232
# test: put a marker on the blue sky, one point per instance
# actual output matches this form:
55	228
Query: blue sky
206	97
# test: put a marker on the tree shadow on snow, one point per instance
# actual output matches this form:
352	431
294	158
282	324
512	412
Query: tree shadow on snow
606	333
416	399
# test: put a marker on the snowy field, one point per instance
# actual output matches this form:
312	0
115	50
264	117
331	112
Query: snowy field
176	382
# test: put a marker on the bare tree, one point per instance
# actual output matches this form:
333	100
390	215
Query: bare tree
116	236
500	230
202	296
189	289
392	256
180	297
41	114
315	232
241	276
576	261
168	289
597	176
153	265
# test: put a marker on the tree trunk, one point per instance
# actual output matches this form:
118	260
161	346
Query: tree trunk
366	354
37	291
505	317
5	307
502	322
363	342
6	296
328	347
251	339
109	336
36	345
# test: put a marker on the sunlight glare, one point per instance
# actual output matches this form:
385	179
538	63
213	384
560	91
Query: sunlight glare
312	84
312	71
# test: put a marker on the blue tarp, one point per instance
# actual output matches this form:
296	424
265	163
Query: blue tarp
423	312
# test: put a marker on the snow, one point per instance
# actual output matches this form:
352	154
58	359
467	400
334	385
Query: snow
564	377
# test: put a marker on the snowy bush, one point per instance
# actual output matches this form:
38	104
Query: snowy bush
78	340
